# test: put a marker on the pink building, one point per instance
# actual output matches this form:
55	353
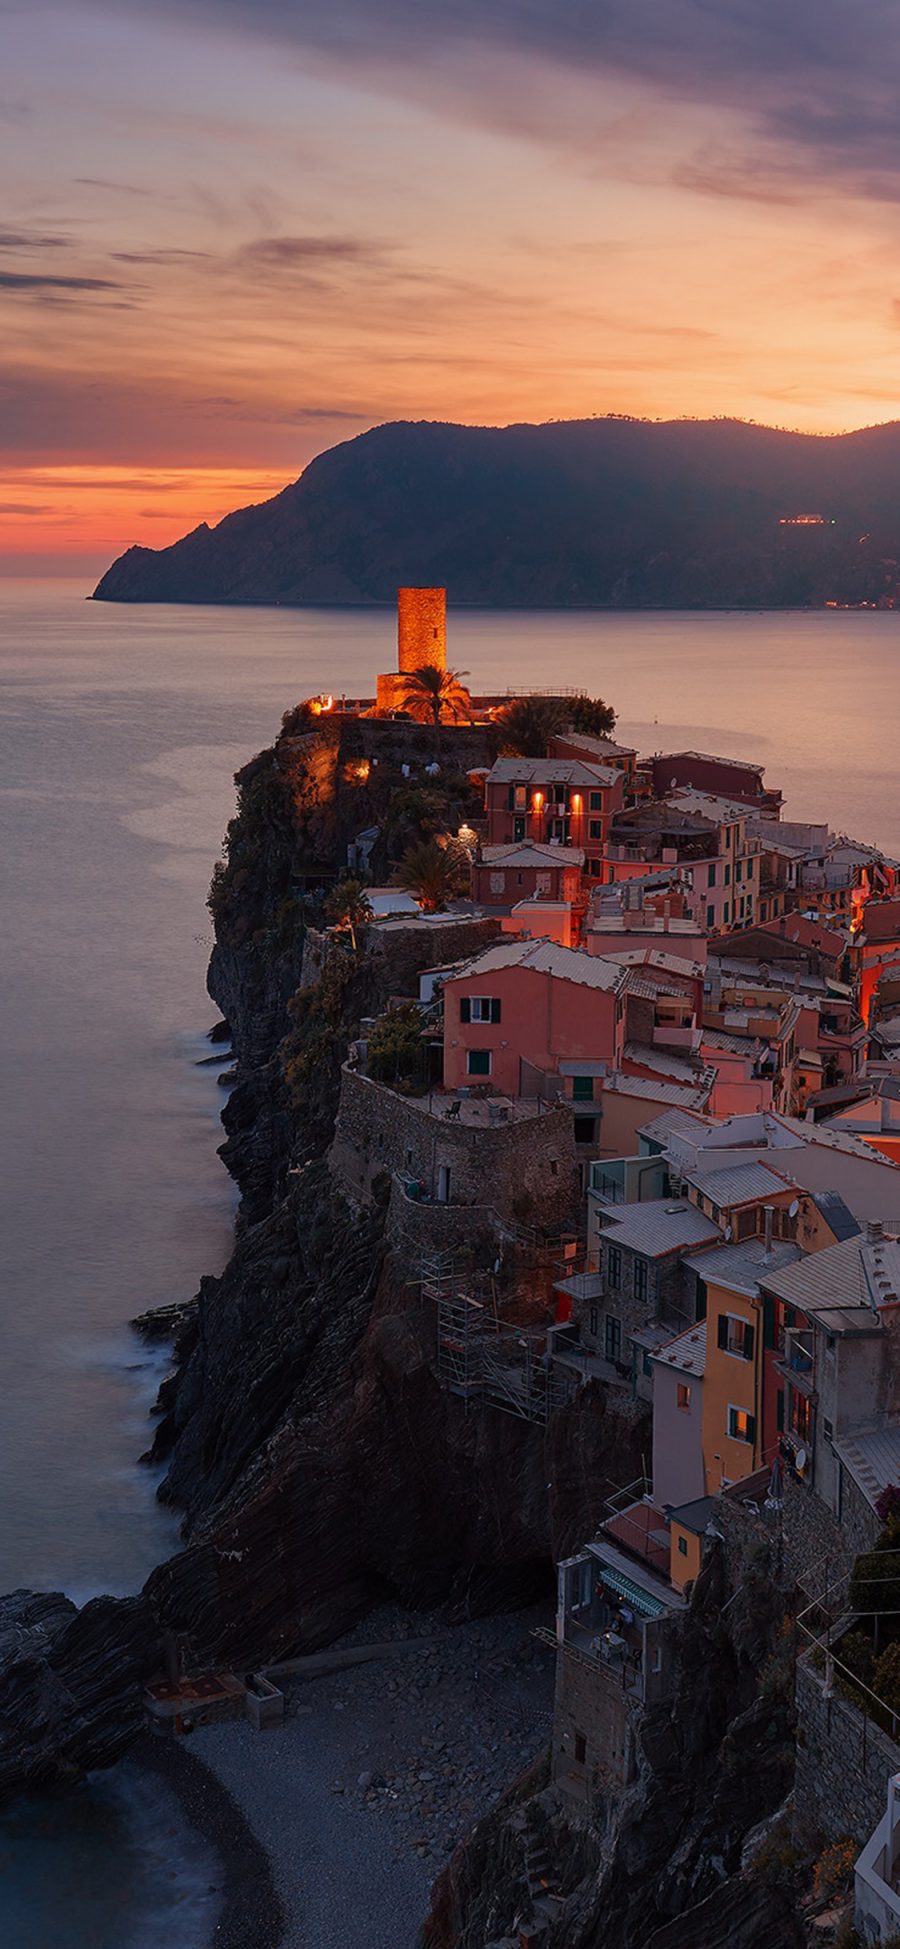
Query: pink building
525	1008
553	800
505	875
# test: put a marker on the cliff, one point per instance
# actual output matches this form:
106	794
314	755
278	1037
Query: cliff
594	513
319	1466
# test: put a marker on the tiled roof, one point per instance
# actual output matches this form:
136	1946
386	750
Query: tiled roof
687	1353
657	1226
739	1184
550	771
547	957
684	1095
694	1515
739	1268
601	747
833	1286
530	853
737	764
664	1062
657	957
709	805
672	1123
872	1457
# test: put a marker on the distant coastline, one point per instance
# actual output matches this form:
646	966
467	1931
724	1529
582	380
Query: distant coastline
605	514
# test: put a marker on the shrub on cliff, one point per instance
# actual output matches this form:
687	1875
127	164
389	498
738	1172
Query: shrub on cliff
396	1050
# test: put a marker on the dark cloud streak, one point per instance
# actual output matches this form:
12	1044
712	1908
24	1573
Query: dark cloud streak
815	79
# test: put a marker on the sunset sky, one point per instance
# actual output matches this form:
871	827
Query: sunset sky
235	231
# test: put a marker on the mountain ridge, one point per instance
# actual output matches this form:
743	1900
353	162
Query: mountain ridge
600	513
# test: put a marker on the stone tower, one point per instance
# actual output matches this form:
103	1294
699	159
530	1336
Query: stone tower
421	629
421	638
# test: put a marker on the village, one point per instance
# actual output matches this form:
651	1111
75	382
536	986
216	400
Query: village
645	1138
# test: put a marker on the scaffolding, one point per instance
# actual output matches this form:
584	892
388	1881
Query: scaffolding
479	1359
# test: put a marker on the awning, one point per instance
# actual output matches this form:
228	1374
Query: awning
640	1599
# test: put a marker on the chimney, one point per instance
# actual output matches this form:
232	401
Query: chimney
768	1214
874	1231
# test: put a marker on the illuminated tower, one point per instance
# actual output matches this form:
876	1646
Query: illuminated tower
421	629
421	639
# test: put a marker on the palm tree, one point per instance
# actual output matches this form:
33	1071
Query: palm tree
433	873
433	694
348	907
528	723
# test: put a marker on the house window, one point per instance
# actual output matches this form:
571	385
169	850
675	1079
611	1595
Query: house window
801	1415
518	828
727	873
711	876
498	882
683	1397
738	869
583	1089
580	1749
479	1062
613	1337
584	1129
641	1280
613	1267
710	916
595	829
727	914
741	1425
682	1546
596	801
735	1336
482	1008
520	798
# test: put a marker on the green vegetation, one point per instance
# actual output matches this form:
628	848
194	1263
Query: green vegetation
436	696
433	873
314	1048
592	717
528	723
348	908
397	1053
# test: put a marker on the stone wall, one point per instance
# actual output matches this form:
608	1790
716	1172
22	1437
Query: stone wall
814	1541
590	1705
396	955
524	1171
844	1763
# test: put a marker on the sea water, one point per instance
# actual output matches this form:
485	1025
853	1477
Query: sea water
120	729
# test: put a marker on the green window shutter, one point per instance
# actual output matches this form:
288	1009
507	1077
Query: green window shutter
722	1331
768	1321
749	1337
495	1009
465	1009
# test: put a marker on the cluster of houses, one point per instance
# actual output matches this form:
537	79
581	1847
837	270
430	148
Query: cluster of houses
712	994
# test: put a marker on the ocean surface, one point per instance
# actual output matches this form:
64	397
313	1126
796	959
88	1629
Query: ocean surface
120	729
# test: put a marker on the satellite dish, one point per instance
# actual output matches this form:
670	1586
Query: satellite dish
801	1460
728	1233
794	1208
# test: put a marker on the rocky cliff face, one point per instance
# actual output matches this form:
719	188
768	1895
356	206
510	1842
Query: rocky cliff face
318	1464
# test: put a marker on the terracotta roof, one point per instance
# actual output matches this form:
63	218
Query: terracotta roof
564	771
547	957
531	852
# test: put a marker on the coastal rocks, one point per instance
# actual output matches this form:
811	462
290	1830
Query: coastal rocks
70	1684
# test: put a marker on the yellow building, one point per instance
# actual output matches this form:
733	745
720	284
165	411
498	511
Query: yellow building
736	1438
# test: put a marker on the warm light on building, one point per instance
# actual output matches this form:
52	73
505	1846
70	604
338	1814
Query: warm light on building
320	706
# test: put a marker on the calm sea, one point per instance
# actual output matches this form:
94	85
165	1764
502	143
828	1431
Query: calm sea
119	733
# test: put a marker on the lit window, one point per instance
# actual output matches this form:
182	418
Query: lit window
741	1425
